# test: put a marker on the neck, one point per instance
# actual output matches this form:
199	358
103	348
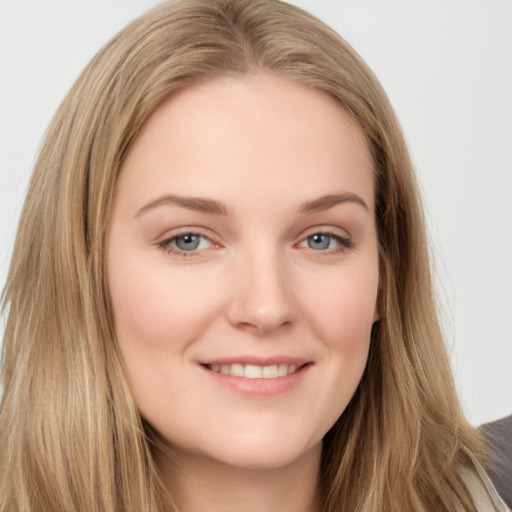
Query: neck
199	483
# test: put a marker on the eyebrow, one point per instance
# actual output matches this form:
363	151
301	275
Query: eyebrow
212	207
203	205
325	202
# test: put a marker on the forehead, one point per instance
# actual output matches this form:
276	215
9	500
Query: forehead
231	133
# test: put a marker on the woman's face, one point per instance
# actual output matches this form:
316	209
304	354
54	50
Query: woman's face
243	269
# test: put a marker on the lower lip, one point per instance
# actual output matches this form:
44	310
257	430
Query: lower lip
259	387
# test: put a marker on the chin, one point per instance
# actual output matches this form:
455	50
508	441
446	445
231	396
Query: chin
258	452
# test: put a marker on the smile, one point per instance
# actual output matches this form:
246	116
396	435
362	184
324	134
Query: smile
268	378
252	371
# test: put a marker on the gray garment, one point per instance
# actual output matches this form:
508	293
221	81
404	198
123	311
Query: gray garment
499	435
484	495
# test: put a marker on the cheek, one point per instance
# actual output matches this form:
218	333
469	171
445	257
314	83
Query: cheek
158	314
343	309
342	313
153	307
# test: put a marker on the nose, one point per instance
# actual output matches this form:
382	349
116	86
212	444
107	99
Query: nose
261	299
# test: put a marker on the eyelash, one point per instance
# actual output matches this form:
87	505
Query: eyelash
344	242
166	245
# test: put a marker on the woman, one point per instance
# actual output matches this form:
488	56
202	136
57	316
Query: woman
220	294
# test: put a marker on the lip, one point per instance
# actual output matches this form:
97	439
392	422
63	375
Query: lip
258	387
258	361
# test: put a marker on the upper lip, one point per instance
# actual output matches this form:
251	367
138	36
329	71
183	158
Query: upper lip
257	361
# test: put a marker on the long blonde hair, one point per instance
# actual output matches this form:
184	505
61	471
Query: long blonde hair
71	438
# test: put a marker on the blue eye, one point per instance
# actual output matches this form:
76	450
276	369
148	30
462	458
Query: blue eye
319	241
186	244
326	242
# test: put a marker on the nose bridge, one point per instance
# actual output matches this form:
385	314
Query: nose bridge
262	290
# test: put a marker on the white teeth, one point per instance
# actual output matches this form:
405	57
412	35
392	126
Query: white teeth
252	371
237	370
269	372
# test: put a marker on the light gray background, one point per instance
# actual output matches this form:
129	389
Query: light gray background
447	67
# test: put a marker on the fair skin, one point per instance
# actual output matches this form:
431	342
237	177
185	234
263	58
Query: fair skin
243	272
